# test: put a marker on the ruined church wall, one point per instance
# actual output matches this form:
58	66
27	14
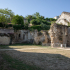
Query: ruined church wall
31	36
61	21
59	35
42	37
21	36
67	17
62	18
6	30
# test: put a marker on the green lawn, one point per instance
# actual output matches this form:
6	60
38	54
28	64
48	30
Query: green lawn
19	46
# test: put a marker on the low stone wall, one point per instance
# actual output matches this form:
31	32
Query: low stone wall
6	36
4	40
6	30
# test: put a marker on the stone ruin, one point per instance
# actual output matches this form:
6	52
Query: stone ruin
64	18
35	37
6	36
9	36
59	34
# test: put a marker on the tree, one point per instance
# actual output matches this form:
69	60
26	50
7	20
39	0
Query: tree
41	17
2	20
37	15
5	16
45	27
45	22
26	26
36	21
47	19
7	12
29	17
17	20
52	19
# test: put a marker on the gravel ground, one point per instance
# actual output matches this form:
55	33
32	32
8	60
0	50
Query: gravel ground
46	58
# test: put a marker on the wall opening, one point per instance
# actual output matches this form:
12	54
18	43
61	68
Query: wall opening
19	35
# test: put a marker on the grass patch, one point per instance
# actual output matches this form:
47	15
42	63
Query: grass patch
18	46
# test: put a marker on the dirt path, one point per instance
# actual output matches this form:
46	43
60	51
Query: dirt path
33	48
64	48
46	58
20	49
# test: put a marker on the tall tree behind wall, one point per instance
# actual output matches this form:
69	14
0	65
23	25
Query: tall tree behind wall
6	16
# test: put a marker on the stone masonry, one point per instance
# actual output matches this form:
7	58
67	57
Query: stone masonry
64	18
60	34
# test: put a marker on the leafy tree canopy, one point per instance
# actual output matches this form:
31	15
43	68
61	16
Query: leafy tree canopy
6	12
51	19
2	20
5	16
29	17
45	22
35	21
37	15
17	20
45	27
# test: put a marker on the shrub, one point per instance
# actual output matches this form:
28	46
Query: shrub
9	25
38	27
26	26
52	19
45	22
68	24
45	27
1	25
48	19
31	29
36	21
17	20
17	27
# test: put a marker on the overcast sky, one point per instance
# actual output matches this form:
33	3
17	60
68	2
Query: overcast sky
46	8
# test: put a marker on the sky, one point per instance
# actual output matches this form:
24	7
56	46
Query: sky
46	8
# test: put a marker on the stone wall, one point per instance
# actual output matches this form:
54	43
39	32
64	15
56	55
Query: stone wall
6	36
68	38
6	30
64	18
22	36
4	40
59	35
